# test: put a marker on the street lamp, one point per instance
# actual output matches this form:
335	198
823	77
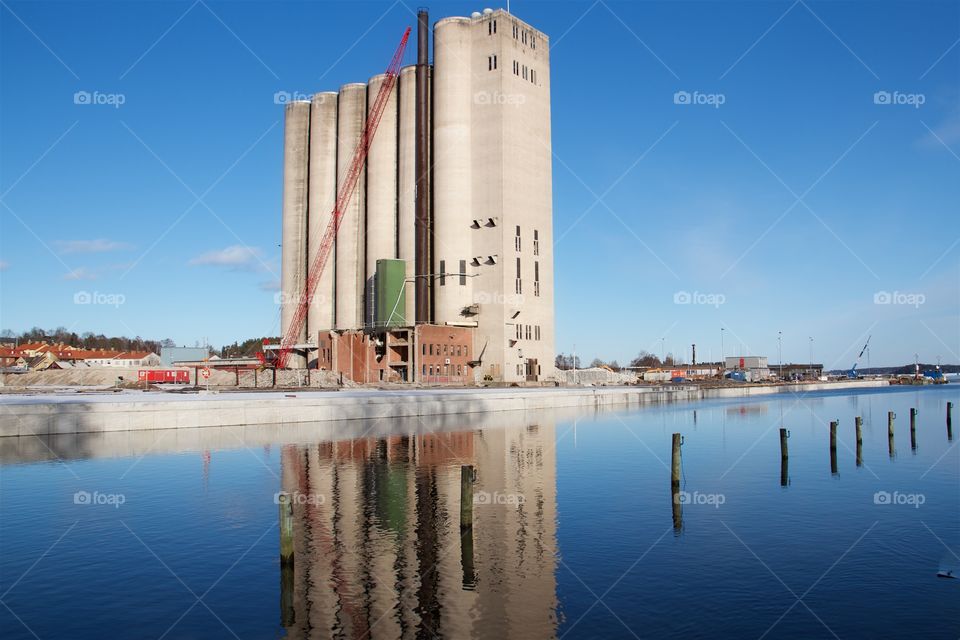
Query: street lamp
811	356
780	351
723	360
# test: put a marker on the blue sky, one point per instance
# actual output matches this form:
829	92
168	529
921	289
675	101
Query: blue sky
796	205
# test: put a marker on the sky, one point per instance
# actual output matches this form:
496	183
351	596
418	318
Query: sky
770	178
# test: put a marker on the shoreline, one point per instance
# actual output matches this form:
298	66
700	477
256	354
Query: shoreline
43	414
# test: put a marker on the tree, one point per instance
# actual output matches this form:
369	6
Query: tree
646	359
597	362
566	362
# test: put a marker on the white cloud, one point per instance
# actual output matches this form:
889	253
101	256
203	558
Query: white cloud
100	245
236	257
80	273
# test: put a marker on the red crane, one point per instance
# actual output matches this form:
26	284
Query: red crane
345	192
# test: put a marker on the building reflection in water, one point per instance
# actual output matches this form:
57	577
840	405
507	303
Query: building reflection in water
378	547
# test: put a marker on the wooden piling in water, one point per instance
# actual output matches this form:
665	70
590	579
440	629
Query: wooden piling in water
890	418
913	429
858	421
833	446
286	529
949	421
784	454
466	497
675	460
676	508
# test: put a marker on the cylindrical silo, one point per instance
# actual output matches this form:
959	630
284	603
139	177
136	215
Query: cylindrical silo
293	268
351	118
452	189
323	195
381	190
407	187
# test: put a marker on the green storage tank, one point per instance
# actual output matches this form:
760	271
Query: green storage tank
390	296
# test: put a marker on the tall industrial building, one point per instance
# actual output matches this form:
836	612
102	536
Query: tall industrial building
471	135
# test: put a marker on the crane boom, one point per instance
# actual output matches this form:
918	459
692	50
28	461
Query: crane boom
345	192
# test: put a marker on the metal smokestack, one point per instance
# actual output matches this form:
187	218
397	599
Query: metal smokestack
422	247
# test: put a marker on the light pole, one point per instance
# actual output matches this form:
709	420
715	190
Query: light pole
723	360
780	351
811	356
663	354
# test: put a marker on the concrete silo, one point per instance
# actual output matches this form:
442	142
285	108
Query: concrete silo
452	90
322	197
293	268
381	211
350	263
407	181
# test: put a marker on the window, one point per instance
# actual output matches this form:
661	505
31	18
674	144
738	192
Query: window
533	76
533	41
444	349
424	349
463	272
524	72
424	369
528	332
443	272
536	278
516	242
536	332
431	349
518	331
536	242
494	26
491	63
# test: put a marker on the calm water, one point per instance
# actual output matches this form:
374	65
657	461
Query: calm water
575	532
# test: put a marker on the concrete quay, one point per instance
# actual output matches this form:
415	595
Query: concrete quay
49	414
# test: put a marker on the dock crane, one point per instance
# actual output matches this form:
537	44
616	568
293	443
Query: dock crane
852	373
345	192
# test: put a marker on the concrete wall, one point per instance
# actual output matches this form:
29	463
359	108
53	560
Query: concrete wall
323	196
382	166
350	239
407	180
293	270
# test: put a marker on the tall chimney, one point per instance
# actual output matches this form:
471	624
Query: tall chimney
422	263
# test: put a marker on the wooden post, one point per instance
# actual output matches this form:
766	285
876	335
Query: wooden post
859	422
286	529
288	615
466	560
949	421
677	508
675	466
833	446
466	497
890	418
913	429
784	455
